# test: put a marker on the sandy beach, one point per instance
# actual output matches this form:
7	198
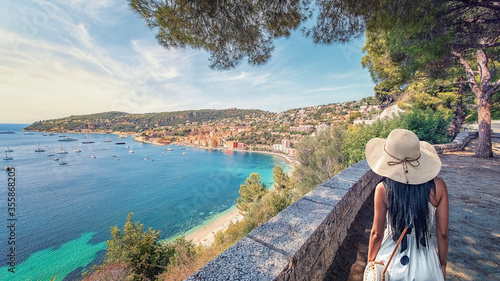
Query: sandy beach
204	234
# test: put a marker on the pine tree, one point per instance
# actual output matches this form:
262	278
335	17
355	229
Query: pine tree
250	192
139	250
281	180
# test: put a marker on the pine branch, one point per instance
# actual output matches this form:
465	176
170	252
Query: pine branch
468	70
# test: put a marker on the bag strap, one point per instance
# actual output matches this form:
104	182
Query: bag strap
394	251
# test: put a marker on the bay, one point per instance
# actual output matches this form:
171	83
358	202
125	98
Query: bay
64	212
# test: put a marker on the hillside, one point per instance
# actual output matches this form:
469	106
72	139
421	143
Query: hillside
127	122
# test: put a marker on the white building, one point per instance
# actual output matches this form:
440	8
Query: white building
322	127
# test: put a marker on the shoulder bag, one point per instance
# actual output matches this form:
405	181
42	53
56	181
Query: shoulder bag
375	270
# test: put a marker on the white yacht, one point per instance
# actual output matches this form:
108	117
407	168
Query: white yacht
67	139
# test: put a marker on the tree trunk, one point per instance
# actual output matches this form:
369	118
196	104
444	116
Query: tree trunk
459	118
484	149
484	93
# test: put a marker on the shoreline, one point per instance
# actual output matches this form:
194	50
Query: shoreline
288	159
204	234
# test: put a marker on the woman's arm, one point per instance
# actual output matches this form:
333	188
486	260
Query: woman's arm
442	217
377	233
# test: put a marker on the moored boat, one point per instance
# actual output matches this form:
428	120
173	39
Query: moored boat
87	141
7	157
68	139
39	149
62	151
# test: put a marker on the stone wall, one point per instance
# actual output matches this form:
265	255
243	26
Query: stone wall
457	144
300	242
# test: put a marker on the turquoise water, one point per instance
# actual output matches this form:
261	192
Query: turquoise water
64	212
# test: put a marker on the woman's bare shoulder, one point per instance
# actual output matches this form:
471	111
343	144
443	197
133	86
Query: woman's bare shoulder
380	192
439	181
441	190
440	185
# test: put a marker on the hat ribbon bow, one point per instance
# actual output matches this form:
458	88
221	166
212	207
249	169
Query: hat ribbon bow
406	161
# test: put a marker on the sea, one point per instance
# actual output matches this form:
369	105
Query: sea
63	212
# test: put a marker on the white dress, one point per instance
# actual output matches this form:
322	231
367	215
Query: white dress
410	263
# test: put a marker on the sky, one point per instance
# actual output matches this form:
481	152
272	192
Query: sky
60	58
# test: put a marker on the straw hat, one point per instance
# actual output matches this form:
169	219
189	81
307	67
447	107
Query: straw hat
403	158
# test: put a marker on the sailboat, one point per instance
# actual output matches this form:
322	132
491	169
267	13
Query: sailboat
107	140
62	151
87	141
39	149
50	154
7	157
77	150
9	150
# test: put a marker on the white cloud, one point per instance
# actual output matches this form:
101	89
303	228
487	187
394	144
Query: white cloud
253	78
158	63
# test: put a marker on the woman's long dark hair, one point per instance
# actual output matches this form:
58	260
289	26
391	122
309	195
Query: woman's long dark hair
408	206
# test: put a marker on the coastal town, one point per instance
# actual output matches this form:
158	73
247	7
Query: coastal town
256	131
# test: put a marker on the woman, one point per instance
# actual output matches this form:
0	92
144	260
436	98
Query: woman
411	195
